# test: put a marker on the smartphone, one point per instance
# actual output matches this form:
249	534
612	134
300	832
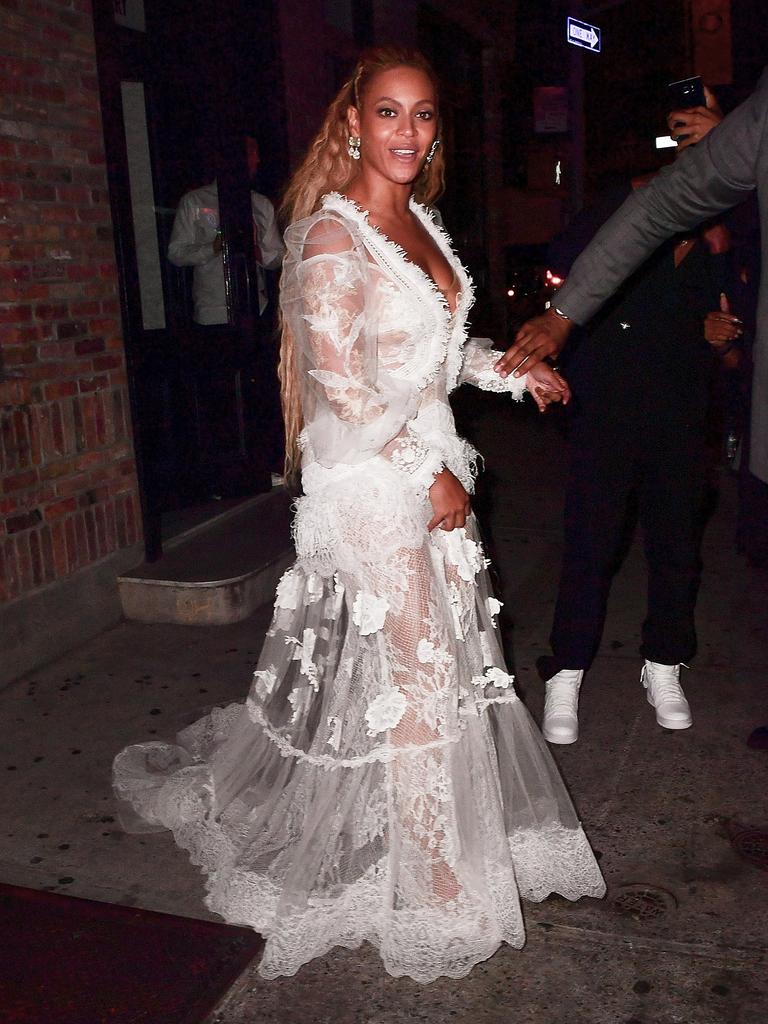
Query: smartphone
665	142
687	93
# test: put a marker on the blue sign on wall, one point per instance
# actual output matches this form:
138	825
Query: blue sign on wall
582	34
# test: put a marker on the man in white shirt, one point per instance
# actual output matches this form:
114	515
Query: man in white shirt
196	242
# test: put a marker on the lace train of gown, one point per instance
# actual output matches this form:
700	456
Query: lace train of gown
383	781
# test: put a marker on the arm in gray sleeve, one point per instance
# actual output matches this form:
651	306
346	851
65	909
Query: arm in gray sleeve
706	179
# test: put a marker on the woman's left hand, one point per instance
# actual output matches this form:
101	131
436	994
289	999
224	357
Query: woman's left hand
687	127
547	386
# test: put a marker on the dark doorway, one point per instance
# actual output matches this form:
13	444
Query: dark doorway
191	98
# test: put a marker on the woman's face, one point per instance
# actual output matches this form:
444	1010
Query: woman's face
397	123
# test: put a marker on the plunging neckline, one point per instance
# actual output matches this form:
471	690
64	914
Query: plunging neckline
427	278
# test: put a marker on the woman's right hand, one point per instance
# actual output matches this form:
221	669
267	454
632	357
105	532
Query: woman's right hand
450	502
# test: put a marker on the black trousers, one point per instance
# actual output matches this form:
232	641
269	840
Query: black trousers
615	466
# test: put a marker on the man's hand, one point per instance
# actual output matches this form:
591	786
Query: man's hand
538	338
695	123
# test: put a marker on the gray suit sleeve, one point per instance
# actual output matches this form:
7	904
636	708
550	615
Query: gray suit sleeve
707	178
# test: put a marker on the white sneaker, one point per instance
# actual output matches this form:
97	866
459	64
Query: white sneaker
561	723
662	683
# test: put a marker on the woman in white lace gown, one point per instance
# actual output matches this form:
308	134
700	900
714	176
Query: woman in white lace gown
383	781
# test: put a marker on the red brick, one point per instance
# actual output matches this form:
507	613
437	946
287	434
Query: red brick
15	274
24	562
111	526
38	151
49	271
19	481
71	486
89	459
9	190
108	362
38	192
62	389
60	508
93	383
46	547
11	574
70	329
37	333
47	92
59	545
15	314
21	430
58	468
43	232
89	346
77	194
25	291
51	311
23	521
19	356
79	271
11	233
38	571
71	541
55	173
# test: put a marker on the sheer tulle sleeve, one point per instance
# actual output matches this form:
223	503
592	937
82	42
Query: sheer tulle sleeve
353	411
477	369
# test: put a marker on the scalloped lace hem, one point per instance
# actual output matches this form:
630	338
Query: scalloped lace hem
424	943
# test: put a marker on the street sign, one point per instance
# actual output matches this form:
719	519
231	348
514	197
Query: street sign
584	35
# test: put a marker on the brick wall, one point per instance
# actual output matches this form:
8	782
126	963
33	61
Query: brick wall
68	493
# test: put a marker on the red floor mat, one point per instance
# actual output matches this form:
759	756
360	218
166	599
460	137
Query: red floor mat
73	961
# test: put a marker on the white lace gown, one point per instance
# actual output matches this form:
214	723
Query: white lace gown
383	781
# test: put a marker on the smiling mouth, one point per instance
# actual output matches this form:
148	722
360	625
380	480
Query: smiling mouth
404	154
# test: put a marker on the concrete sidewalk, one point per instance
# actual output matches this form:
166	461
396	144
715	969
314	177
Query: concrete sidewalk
682	937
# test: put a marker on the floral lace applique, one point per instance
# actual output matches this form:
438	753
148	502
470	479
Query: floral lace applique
266	679
303	653
463	552
494	677
369	612
288	590
299	699
494	607
385	711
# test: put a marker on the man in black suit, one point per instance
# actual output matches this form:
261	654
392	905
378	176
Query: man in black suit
728	164
721	168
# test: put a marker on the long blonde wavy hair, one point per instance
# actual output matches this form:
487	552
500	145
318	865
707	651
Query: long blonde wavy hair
328	167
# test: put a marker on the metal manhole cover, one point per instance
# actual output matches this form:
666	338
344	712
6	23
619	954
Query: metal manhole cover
642	902
751	845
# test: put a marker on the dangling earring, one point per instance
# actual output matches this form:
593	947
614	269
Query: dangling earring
353	147
432	150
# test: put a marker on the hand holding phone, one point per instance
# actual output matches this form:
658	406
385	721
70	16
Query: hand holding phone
684	95
688	125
